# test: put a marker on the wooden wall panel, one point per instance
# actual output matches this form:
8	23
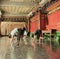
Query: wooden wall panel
35	22
54	21
7	27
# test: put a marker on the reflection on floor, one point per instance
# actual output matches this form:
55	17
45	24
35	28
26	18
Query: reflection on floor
26	52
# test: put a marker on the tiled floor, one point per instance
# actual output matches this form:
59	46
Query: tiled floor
42	51
21	52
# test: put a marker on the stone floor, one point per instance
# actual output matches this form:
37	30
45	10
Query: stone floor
25	52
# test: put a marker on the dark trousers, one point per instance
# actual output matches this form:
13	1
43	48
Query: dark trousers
19	38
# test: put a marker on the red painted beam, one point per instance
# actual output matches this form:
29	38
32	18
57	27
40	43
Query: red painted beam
53	6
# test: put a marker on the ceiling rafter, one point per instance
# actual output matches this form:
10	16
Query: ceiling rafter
26	11
7	14
18	7
18	3
20	0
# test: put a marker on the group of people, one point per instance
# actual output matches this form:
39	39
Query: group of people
21	34
24	35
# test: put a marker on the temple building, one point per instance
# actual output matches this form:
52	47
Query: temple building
33	15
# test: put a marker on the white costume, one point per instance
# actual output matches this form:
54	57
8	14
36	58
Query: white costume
13	32
25	37
25	32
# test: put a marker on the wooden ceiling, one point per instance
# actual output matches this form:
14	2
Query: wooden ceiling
17	7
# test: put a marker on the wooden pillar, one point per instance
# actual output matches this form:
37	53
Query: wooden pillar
0	26
39	14
28	24
0	22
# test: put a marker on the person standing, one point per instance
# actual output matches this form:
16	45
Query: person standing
25	36
19	36
11	35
